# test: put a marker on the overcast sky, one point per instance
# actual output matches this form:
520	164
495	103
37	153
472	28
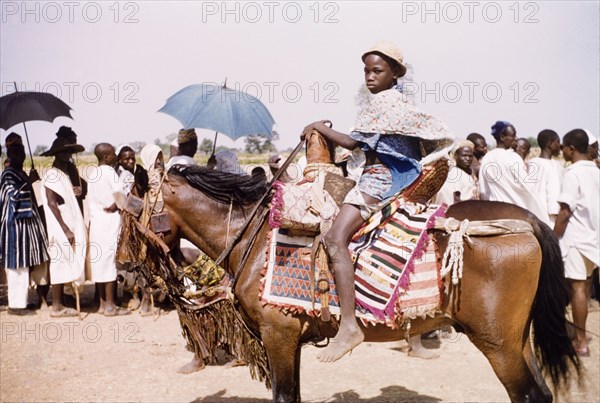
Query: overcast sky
535	64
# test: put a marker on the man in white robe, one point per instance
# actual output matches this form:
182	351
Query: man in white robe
187	145
105	223
503	176
578	228
545	174
461	183
66	228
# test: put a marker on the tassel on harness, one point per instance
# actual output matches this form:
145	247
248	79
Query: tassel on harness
319	257
453	257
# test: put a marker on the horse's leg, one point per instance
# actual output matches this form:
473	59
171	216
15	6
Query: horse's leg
494	303
535	369
281	341
511	367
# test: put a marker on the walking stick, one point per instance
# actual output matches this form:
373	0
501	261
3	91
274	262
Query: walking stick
77	303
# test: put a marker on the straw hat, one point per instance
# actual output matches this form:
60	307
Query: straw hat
391	51
61	144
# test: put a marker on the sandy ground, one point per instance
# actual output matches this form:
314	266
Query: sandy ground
134	358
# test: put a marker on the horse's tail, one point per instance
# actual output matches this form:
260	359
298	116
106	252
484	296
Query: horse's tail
553	346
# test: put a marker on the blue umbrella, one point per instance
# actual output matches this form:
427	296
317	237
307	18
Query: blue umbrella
224	110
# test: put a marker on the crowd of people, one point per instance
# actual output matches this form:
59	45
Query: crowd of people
71	235
561	193
55	243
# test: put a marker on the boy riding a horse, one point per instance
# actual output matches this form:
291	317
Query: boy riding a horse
390	132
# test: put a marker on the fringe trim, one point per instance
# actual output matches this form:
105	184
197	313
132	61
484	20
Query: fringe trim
277	206
392	309
205	328
219	325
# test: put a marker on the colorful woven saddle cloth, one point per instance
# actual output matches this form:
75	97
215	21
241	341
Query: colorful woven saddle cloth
396	270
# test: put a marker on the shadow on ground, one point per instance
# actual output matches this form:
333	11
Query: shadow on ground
388	394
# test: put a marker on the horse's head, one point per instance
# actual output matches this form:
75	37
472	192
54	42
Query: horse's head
319	150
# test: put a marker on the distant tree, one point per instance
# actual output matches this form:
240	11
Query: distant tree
258	143
137	146
158	142
171	137
206	146
268	145
533	141
253	144
39	149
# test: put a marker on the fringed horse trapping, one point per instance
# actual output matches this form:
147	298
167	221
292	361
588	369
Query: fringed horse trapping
201	293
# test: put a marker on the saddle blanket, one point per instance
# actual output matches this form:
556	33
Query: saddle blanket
396	270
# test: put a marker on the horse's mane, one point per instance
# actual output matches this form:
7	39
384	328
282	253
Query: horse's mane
222	186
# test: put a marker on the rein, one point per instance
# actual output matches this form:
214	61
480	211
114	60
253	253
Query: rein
229	221
258	205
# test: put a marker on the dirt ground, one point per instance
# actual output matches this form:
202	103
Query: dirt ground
134	358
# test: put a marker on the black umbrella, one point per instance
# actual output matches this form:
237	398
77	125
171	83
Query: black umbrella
23	106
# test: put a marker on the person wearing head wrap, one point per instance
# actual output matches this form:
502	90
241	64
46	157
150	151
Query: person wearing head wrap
67	234
12	138
546	173
398	139
152	160
227	162
22	234
461	184
187	145
152	157
503	175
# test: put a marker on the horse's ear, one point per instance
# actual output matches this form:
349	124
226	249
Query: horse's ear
141	181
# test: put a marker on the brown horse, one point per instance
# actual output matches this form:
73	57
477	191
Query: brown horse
509	282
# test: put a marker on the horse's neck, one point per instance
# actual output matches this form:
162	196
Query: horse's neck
216	227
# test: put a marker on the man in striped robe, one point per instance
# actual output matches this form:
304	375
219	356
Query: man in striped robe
22	235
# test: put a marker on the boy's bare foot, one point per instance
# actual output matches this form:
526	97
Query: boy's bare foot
195	365
341	344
